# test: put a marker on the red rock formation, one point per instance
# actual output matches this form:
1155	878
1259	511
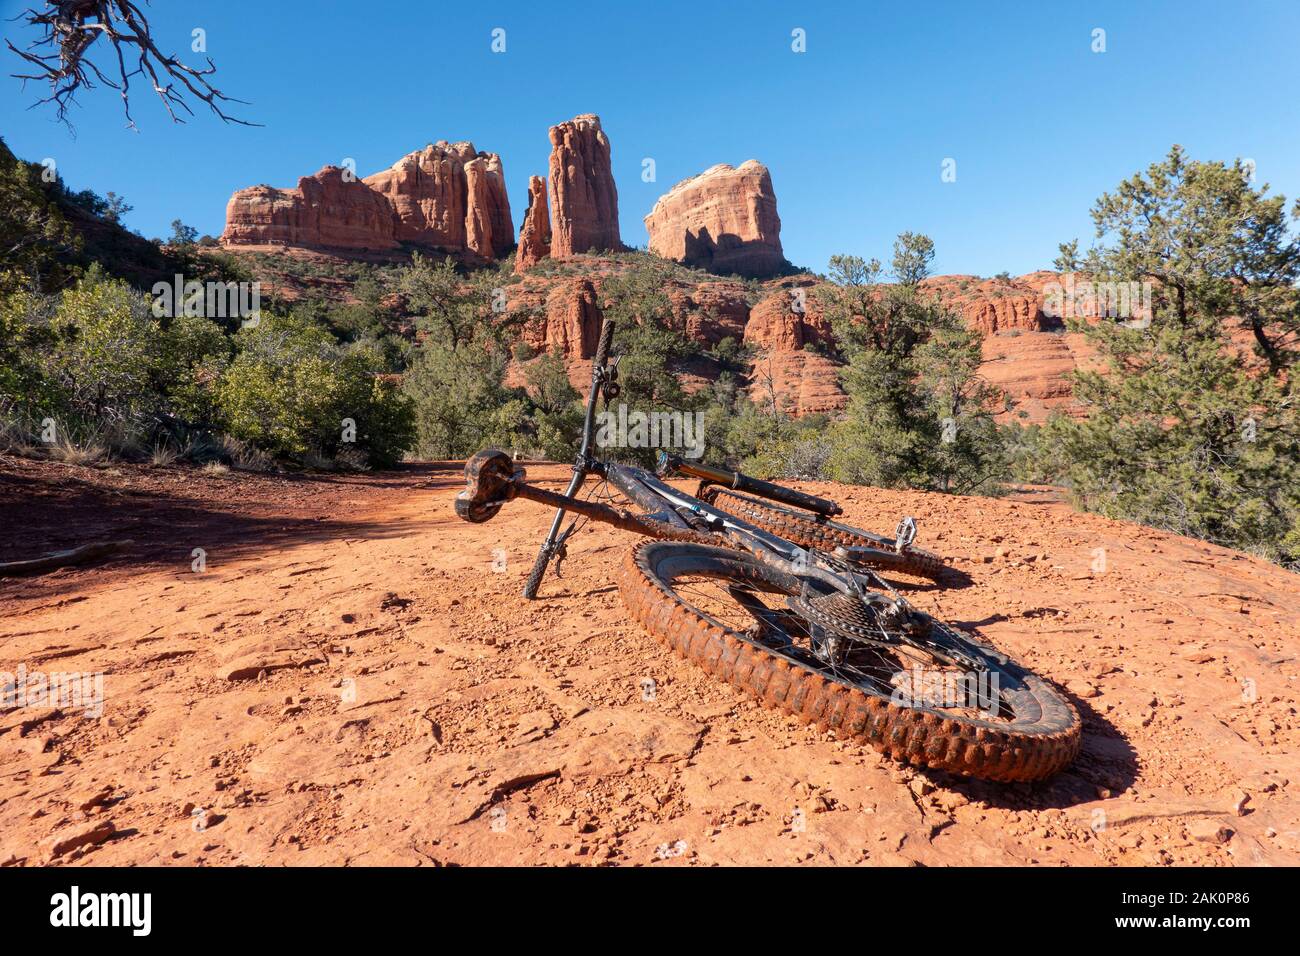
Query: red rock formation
710	312
723	220
427	190
584	199
804	382
425	199
441	201
503	224
1033	368
535	236
787	320
478	216
329	210
781	328
568	318
1027	351
992	305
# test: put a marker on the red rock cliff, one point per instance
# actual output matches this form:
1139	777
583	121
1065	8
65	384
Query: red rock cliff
535	236
444	204
329	210
426	198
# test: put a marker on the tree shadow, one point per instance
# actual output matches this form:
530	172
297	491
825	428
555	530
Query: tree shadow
169	512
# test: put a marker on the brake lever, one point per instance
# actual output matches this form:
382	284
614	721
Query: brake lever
561	550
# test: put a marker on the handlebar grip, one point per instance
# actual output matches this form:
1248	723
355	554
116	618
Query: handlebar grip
606	338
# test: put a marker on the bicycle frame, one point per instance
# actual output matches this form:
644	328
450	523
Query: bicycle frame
493	479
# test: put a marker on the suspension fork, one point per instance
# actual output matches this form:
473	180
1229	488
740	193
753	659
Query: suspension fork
582	464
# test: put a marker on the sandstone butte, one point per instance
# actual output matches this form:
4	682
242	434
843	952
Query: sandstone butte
584	199
723	220
452	197
446	197
330	210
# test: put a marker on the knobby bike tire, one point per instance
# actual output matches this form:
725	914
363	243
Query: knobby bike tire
536	574
1042	740
808	532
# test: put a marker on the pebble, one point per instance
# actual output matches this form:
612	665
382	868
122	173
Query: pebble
76	839
1209	831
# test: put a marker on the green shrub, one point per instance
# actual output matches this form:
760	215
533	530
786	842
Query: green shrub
101	358
293	390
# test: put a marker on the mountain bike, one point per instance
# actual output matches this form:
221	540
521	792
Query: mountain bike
755	582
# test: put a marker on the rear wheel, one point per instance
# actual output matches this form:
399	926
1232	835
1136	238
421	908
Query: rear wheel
810	532
737	619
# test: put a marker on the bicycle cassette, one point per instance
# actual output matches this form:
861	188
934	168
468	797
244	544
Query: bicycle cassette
876	622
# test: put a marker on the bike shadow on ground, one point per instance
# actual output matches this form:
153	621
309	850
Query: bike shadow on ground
953	579
1107	766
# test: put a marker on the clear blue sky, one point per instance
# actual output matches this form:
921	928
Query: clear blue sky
854	130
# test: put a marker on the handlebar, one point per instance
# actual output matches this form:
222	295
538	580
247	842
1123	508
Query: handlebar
669	464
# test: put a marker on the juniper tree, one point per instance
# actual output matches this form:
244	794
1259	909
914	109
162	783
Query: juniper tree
919	414
1186	426
1210	242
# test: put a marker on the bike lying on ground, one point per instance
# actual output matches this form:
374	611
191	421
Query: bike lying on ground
777	599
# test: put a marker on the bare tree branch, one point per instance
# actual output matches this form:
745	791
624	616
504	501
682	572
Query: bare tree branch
60	56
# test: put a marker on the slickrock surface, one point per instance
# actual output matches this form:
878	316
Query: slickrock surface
723	220
356	679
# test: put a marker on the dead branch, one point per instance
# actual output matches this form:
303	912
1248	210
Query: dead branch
69	31
61	559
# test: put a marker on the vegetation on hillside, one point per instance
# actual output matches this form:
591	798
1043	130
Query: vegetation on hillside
919	414
92	370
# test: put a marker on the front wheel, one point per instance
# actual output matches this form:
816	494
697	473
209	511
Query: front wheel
808	531
736	618
537	573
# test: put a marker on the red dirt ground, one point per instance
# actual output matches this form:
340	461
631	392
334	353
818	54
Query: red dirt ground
351	680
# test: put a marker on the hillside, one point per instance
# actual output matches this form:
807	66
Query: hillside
1027	352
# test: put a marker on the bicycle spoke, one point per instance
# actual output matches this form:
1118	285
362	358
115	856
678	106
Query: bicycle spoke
895	669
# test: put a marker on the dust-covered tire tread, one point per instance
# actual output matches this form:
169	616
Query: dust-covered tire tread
921	737
808	532
535	575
